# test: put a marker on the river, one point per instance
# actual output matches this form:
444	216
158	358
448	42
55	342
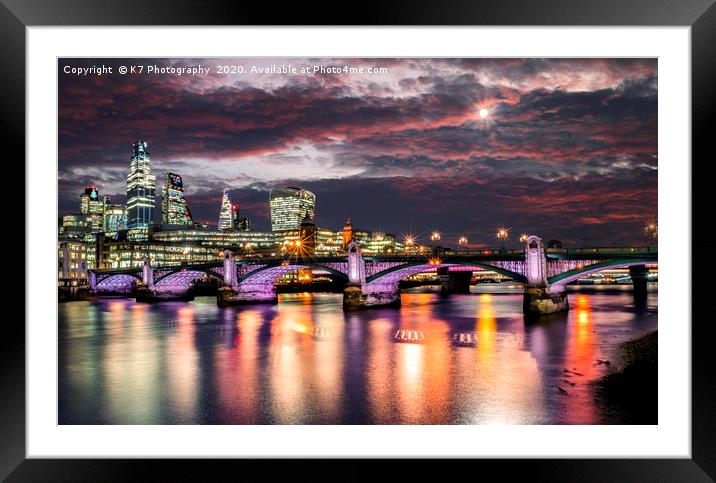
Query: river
306	361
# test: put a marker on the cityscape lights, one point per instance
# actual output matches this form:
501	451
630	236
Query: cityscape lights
502	235
289	206
140	190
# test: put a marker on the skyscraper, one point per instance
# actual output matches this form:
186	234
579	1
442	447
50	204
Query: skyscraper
115	217
227	214
93	207
140	188
289	206
174	207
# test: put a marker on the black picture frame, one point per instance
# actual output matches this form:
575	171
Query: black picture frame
700	15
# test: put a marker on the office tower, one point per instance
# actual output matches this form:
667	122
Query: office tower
115	218
174	207
93	207
140	188
227	213
289	206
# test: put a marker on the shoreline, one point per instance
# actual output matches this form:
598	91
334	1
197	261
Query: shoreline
629	394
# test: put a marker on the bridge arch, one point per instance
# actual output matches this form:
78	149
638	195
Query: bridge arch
196	272
181	279
572	275
394	274
266	274
116	282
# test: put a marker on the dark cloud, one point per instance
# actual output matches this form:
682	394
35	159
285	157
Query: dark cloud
569	146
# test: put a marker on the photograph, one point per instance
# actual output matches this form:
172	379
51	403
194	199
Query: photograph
357	241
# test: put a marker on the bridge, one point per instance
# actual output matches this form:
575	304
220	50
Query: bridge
373	281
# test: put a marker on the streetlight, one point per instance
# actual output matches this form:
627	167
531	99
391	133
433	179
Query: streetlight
502	235
462	240
523	237
651	230
435	237
409	242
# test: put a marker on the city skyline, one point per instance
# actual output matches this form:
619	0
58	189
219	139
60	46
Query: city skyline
566	147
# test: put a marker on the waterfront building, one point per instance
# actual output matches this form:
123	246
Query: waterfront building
196	236
115	218
227	213
74	259
93	207
328	242
120	254
140	191
380	244
175	210
76	226
289	206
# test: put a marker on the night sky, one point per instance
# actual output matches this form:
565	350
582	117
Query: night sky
567	151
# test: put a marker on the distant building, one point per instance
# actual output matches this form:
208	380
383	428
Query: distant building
76	226
243	224
140	191
93	207
347	233
227	213
289	206
174	206
307	236
554	244
115	218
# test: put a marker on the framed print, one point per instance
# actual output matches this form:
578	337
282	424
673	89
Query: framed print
434	233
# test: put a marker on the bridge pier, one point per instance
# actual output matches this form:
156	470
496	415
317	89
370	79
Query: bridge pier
359	294
247	294
638	278
545	299
357	297
235	293
540	297
454	282
144	289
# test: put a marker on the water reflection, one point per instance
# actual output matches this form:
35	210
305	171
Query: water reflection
305	361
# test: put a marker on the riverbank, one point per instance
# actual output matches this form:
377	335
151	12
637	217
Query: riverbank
629	395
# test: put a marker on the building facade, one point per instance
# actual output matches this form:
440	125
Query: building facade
92	206
140	190
289	206
227	213
175	210
115	218
74	259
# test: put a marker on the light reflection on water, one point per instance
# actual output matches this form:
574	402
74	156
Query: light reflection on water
306	361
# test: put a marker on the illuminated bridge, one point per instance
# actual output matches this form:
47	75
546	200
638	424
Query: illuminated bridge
373	281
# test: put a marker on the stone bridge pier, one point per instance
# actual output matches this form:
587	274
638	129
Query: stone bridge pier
454	282
638	277
233	292
145	290
360	294
541	297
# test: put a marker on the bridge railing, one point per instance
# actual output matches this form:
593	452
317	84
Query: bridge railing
606	250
